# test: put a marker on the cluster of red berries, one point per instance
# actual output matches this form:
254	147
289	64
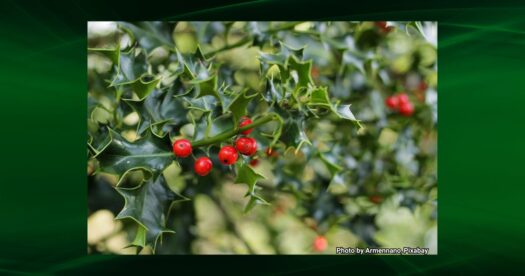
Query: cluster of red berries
401	103
227	154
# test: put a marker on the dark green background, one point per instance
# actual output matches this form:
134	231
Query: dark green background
43	111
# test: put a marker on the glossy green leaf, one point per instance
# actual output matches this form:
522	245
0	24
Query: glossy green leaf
131	70
150	35
159	109
253	201
149	152
206	127
143	87
149	206
294	134
112	54
239	104
195	65
206	87
98	137
246	175
344	112
303	69
220	124
274	91
132	65
319	97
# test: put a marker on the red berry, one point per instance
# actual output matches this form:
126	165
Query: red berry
254	162
228	155
246	145
182	148
381	24
202	166
244	122
406	109
392	102
320	243
402	98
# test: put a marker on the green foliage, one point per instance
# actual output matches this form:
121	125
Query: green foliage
315	91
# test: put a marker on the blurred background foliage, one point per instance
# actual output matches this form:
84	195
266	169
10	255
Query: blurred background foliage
373	186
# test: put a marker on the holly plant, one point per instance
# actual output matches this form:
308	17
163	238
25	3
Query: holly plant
331	123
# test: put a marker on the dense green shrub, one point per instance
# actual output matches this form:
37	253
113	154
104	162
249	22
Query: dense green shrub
332	160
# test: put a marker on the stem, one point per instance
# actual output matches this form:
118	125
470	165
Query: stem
229	133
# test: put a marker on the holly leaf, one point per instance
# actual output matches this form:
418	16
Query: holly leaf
201	126
149	206
195	65
330	162
203	104
295	136
206	87
150	35
269	58
239	104
98	137
281	57
130	67
273	92
131	70
303	69
112	54
343	111
206	127
160	109
143	86
149	152
220	124
254	200
319	97
246	175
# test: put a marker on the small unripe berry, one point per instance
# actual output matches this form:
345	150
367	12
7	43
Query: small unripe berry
202	166
246	145
392	102
244	122
271	152
320	243
182	148
406	109
228	155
